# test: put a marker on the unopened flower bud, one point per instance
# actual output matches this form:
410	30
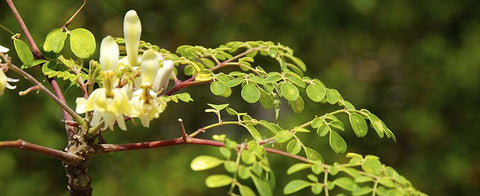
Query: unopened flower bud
132	29
149	66
109	54
163	76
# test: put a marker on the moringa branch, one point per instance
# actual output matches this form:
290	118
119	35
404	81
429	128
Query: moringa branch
107	148
68	158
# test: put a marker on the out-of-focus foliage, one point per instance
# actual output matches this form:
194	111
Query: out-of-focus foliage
414	63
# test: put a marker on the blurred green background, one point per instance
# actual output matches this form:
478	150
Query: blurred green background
416	64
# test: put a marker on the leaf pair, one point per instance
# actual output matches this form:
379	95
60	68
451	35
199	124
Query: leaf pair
82	42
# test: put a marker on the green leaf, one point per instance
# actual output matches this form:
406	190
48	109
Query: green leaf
82	43
372	166
337	143
294	147
246	191
234	82
361	190
218	107
263	187
283	136
55	40
295	185
273	77
23	51
265	99
345	183
205	162
332	96
323	130
185	97
35	63
298	105
204	75
337	125
387	182
313	155
296	79
362	179
316	92
289	91
297	167
359	125
317	168
390	134
254	132
207	62
225	152
248	157
312	178
377	124
317	188
218	180
243	172
218	88
230	166
250	93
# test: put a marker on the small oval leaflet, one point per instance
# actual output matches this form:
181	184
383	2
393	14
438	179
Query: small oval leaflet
289	91
218	180
359	125
295	185
82	43
250	93
23	52
316	92
204	163
55	41
337	143
218	88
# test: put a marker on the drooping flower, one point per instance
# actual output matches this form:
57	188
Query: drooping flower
107	103
132	29
145	103
4	82
163	76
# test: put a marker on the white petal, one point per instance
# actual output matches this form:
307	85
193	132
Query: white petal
3	49
12	80
132	30
109	54
149	66
10	86
163	76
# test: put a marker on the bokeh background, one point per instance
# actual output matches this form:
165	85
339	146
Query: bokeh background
416	64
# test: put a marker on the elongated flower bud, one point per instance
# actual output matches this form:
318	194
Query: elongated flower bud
132	29
149	66
109	54
163	76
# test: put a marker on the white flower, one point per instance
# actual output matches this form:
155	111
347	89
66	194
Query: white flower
109	54
132	29
110	109
149	67
163	76
4	82
146	109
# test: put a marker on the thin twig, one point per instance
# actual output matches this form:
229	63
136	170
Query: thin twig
184	133
68	158
107	148
64	28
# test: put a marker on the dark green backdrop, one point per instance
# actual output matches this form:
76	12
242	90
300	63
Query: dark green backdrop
416	64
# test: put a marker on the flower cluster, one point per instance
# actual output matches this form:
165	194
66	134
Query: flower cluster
3	78
111	103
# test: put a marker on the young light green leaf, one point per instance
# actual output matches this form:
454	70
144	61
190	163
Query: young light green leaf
317	188
297	167
218	107
230	166
243	172
82	43
23	51
313	155
332	96
283	136
298	105
372	166
345	183
298	62
204	75
289	91
337	125
218	180
316	92
323	130
218	88
361	190
207	62
55	40
337	143
294	147
296	185
205	162
254	132
225	152
250	93
263	187
377	124
246	191
359	125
